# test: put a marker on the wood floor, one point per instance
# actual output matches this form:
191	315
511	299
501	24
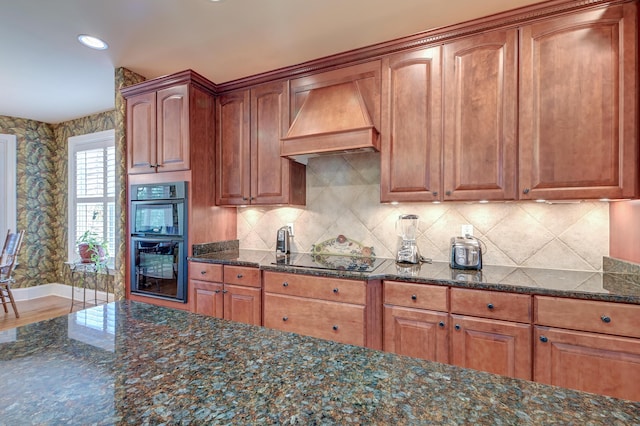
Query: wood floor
35	310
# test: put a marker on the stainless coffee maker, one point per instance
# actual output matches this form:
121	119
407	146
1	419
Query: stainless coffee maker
407	229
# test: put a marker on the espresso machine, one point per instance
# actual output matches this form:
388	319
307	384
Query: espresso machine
407	229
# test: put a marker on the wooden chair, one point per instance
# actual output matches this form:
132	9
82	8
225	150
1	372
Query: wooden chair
10	252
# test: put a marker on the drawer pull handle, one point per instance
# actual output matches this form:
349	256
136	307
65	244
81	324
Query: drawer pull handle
414	297
285	284
335	290
490	306
203	272
544	339
285	318
605	318
335	328
441	323
239	276
458	327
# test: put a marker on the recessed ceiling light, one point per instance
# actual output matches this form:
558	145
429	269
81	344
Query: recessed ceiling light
92	42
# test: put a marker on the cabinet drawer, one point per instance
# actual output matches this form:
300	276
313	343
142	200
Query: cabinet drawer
340	322
332	289
205	272
587	315
491	304
421	296
242	275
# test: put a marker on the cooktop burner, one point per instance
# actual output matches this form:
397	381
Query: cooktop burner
328	261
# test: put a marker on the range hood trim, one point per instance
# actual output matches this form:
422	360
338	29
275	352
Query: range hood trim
360	135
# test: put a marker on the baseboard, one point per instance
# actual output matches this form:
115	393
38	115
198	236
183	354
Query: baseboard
55	289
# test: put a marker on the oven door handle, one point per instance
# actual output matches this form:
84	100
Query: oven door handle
157	239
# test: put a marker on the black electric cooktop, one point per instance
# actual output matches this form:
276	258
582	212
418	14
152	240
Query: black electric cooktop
328	261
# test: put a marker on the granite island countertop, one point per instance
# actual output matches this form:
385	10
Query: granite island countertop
134	363
614	287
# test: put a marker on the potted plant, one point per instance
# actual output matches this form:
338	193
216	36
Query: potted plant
92	248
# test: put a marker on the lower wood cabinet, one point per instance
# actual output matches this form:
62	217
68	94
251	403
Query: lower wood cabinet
346	311
416	322
214	291
499	347
588	345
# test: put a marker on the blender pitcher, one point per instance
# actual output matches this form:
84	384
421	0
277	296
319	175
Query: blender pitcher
407	228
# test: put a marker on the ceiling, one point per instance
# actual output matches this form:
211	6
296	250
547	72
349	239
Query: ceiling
48	76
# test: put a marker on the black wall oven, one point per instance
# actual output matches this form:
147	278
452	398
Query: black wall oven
158	223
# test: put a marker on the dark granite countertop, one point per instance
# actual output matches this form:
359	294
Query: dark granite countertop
133	363
615	287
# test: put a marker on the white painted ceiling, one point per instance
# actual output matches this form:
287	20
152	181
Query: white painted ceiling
46	75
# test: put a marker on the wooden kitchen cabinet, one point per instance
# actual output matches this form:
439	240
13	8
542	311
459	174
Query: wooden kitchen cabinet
591	346
229	292
480	75
250	170
491	343
416	322
347	311
411	126
166	120
579	105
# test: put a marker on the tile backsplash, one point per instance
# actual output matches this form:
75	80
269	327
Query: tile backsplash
343	197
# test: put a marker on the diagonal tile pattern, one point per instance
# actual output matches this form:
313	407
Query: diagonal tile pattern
343	197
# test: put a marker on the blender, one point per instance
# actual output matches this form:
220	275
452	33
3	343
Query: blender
407	228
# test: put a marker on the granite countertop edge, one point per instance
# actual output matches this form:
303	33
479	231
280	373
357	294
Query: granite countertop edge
235	257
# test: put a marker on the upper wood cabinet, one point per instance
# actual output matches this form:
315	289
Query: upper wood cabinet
411	126
578	105
250	124
480	117
165	120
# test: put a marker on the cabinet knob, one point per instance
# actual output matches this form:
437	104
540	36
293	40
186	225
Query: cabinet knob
441	323
285	284
458	327
285	318
245	199
447	193
239	276
152	166
225	291
335	328
490	306
525	191
605	318
414	297
203	272
544	339
435	193
216	291
335	290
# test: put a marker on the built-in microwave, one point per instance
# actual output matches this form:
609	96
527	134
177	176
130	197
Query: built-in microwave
158	224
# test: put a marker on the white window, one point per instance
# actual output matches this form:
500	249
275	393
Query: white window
7	185
92	188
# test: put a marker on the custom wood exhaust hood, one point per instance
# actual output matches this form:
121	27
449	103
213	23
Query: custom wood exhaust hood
332	120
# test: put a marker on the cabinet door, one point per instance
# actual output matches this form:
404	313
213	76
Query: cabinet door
417	333
233	149
207	298
578	106
270	173
499	347
480	124
141	133
173	129
243	304
590	362
411	133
